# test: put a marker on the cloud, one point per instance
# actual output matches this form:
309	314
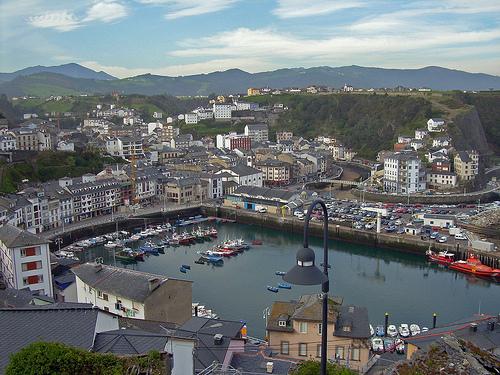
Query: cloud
59	20
307	8
106	12
187	8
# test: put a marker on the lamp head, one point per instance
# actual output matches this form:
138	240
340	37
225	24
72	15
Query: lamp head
305	271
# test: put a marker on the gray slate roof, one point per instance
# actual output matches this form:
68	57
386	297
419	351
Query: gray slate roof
127	283
15	297
244	170
256	363
20	327
255	191
12	236
129	342
356	318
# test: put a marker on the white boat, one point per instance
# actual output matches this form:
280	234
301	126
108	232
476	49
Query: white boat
392	331
135	237
414	329
377	345
84	243
110	245
404	331
372	331
424	329
66	255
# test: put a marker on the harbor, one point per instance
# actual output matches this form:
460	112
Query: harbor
377	278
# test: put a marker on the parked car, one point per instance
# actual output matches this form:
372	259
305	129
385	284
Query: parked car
460	236
442	239
262	210
434	235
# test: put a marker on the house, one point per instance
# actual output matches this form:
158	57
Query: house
417	144
441	165
182	141
15	298
25	260
283	136
8	142
441	142
437	220
257	132
435	125
412	229
294	330
404	139
253	91
183	190
135	294
124	146
242	175
403	173
75	325
433	155
466	165
441	180
421	133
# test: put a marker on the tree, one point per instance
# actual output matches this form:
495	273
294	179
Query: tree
312	367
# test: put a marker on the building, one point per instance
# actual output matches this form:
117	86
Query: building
441	180
32	139
253	91
295	328
404	139
441	221
283	136
182	141
25	260
441	142
435	125
157	115
124	147
417	144
466	165
421	133
222	111
184	190
403	173
243	175
134	294
274	172
191	118
232	140
8	142
257	132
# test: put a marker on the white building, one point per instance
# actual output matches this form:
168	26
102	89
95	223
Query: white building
403	173
222	111
257	132
421	133
417	144
404	139
157	115
435	125
441	142
441	221
242	175
441	179
124	147
65	146
191	118
8	142
25	260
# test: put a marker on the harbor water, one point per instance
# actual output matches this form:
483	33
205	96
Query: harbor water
405	285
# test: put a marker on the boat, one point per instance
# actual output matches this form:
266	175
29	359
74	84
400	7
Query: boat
442	257
272	289
414	329
400	346
404	331
213	259
125	257
280	273
392	330
379	331
186	266
425	329
183	270
473	266
284	286
135	237
372	331
66	255
173	241
377	345
389	345
110	245
257	242
199	261
149	250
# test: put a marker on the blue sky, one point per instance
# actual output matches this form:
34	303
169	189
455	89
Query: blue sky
180	37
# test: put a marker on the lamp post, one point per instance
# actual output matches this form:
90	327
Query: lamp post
305	272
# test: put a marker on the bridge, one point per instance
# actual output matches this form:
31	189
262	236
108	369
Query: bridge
339	182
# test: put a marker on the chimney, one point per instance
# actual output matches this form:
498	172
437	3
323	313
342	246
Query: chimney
269	367
153	283
218	338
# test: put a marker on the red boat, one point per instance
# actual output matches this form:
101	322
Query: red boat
474	266
443	257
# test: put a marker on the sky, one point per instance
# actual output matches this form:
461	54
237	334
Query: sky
182	37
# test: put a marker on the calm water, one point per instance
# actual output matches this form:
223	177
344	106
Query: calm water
404	285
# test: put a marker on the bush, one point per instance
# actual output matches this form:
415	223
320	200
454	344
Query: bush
312	367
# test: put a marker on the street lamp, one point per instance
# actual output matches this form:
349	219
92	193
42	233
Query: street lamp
305	272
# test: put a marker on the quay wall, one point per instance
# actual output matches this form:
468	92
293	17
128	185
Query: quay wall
485	197
403	243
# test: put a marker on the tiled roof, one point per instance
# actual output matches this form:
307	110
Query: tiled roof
12	236
129	342
356	319
73	326
15	297
266	193
126	283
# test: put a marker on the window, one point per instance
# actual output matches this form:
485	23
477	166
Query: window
282	323
303	350
106	308
339	352
30	251
318	350
31	266
303	327
319	328
355	354
35	279
285	347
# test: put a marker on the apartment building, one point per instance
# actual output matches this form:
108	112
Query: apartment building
284	136
25	260
242	175
403	173
222	111
232	140
8	142
32	139
441	179
124	147
274	172
257	132
466	165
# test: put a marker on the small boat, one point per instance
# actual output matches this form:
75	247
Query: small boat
199	261
135	237
380	331
442	257
389	345
392	331
257	242
186	266
125	257
474	266
404	330
372	331
280	273
110	245
377	345
183	270
414	329
400	346
272	289
284	286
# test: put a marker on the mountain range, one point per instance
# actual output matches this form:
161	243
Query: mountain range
74	79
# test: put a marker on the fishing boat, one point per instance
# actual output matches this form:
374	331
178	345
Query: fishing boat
414	329
280	273
257	242
442	257
183	270
213	232
149	250
135	237
186	266
110	245
284	286
272	289
173	241
125	257
199	261
213	259
66	255
474	266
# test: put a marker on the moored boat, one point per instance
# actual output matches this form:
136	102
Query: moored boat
284	286
186	266
272	289
473	266
183	270
280	273
442	257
